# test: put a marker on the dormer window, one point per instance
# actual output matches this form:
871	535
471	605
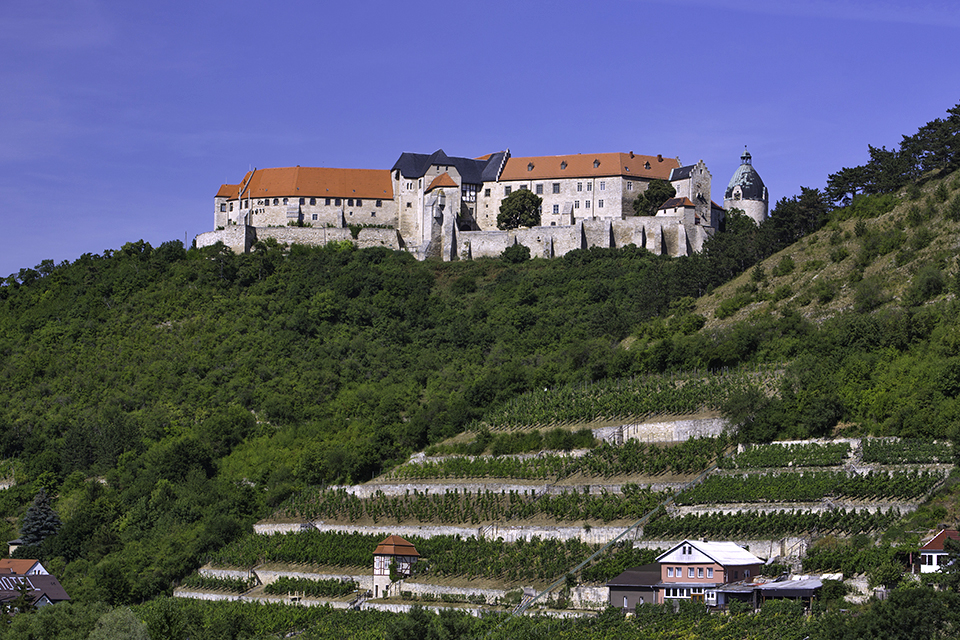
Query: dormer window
563	165
530	167
596	163
646	165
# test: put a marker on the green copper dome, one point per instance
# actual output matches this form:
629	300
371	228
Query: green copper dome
751	186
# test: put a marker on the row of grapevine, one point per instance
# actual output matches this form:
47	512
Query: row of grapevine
906	451
209	583
624	397
461	507
810	486
754	524
311	588
631	458
796	455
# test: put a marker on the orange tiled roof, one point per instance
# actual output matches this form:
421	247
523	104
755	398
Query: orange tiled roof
587	165
395	546
228	191
936	542
315	181
17	567
677	202
442	180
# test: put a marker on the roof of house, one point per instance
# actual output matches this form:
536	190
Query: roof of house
471	170
442	180
395	546
588	165
40	586
321	182
677	202
644	576
17	566
936	542
723	553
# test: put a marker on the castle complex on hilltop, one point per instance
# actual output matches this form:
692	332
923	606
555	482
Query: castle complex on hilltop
438	206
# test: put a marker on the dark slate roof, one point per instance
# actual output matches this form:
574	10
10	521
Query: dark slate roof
472	171
644	576
41	586
751	186
681	173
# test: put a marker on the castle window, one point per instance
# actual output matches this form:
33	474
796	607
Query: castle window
223	207
313	201
486	193
629	186
359	202
231	206
337	202
556	209
563	165
646	165
327	201
553	224
599	204
524	187
556	187
303	201
349	202
408	205
596	163
576	204
507	190
285	201
373	214
539	189
379	203
589	186
275	201
579	186
603	185
314	216
530	167
586	204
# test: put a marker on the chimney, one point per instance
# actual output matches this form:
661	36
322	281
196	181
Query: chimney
659	158
631	155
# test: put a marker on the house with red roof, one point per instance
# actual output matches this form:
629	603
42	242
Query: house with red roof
393	557
932	552
21	567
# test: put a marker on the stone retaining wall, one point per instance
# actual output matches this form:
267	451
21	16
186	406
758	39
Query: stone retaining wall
439	488
594	535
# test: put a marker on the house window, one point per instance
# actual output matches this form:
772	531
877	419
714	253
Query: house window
746	573
624	602
603	185
589	186
556	187
539	189
313	201
314	216
563	165
524	187
379	203
579	186
530	166
586	204
689	572
600	204
337	202
699	572
709	572
223	207
303	201
556	208
669	572
486	193
507	190
576	204
646	165
596	163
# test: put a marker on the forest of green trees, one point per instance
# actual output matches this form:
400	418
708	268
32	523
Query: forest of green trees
166	398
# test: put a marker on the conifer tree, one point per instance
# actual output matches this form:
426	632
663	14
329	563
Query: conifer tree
40	520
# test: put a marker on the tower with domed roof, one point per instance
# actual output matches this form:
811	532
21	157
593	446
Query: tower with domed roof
746	191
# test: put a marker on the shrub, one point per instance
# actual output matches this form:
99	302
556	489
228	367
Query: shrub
784	267
813	265
869	295
941	193
825	291
838	254
953	209
782	293
928	283
515	254
860	229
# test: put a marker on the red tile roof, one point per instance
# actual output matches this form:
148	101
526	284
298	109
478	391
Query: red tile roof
395	546
313	182
588	165
677	202
442	180
228	191
936	542
17	567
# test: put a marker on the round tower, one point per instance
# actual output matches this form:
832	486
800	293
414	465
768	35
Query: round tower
746	191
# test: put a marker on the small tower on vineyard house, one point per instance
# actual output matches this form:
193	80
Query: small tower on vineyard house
393	558
746	191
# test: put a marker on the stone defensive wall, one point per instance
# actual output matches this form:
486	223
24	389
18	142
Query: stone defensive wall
662	235
241	238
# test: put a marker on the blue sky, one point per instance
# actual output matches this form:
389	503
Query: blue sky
119	120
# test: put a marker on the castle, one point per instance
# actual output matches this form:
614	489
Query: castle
439	206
